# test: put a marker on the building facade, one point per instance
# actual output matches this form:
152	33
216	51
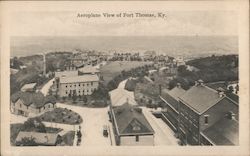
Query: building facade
31	104
130	126
77	85
202	114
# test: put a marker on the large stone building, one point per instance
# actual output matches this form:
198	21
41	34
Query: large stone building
201	111
77	85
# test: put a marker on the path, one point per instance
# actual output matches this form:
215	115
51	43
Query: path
92	126
46	87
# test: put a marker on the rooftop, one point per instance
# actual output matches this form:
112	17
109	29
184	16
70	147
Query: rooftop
39	138
172	96
200	98
120	96
89	69
77	79
223	132
28	86
35	99
66	73
131	120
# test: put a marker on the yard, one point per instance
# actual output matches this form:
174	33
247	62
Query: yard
62	115
16	128
68	139
117	67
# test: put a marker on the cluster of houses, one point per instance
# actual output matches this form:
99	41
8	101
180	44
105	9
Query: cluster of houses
30	102
201	115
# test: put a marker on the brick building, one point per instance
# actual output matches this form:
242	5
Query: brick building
206	117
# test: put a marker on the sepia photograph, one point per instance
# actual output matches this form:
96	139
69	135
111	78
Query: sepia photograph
113	77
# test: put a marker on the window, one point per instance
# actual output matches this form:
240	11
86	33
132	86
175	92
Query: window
66	92
20	105
136	138
91	83
83	84
66	86
206	119
75	85
79	85
70	86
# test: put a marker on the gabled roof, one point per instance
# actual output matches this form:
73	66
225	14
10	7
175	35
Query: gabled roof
223	132
89	69
77	79
39	138
66	73
120	96
200	98
36	99
28	86
131	120
172	96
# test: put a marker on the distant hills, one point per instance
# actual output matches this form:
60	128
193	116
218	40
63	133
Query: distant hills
186	46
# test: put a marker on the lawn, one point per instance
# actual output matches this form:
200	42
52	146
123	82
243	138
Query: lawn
61	115
112	69
16	128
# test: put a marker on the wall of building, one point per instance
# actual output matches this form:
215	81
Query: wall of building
144	140
217	112
189	123
29	110
82	88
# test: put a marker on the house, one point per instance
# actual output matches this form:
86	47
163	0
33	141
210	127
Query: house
200	109
31	104
170	113
40	139
89	70
31	87
77	85
131	128
70	73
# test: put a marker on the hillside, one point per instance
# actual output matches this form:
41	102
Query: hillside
211	69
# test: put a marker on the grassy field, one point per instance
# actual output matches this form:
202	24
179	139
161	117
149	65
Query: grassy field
61	115
112	69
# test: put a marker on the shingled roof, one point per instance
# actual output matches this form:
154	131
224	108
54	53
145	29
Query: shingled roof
37	99
200	98
48	139
172	96
223	132
131	121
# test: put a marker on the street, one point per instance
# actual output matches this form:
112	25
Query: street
163	134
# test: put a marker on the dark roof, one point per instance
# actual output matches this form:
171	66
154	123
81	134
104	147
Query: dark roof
171	96
39	138
233	97
223	132
200	98
130	120
37	99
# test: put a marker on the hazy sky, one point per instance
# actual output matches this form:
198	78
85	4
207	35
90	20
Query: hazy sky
176	23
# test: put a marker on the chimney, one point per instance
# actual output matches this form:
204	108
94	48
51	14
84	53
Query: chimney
178	85
200	82
231	115
220	92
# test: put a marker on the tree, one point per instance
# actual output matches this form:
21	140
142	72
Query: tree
34	124
26	141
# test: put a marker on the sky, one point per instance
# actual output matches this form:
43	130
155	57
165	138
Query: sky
66	23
